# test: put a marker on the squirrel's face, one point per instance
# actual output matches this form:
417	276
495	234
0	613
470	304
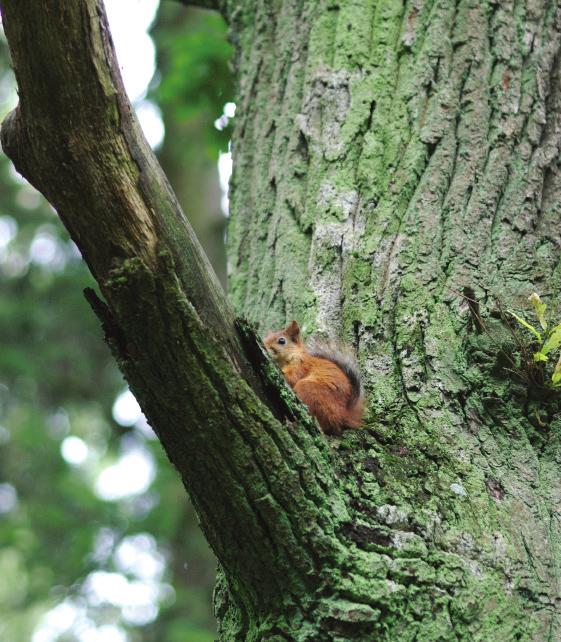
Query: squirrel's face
286	345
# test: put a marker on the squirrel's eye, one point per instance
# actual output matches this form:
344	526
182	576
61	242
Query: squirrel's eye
282	341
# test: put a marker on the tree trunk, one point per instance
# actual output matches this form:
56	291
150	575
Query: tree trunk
388	157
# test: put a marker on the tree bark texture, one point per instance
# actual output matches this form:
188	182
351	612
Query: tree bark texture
388	156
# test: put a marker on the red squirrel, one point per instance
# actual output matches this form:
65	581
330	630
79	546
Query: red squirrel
325	378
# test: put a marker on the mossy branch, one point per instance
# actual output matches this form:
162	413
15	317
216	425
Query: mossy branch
74	136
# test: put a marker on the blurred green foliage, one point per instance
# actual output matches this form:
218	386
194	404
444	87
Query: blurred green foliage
191	87
194	78
58	380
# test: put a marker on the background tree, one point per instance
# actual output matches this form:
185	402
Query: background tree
387	157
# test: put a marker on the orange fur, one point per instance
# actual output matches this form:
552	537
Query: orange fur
319	382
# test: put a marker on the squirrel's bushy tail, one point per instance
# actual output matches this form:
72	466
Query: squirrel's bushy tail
344	357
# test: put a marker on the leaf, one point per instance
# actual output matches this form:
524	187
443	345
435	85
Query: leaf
539	356
539	308
527	325
556	376
553	341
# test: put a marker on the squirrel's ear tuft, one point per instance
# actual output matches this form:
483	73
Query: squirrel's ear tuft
293	331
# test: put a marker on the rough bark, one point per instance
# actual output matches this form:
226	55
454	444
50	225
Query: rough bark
387	156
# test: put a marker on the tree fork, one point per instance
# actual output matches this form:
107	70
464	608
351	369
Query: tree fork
240	450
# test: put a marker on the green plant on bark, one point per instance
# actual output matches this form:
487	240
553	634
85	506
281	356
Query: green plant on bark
545	344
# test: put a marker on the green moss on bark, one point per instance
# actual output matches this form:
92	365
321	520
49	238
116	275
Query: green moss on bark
413	155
